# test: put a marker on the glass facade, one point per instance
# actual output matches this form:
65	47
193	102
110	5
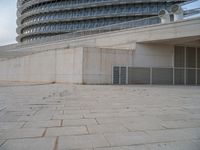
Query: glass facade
40	18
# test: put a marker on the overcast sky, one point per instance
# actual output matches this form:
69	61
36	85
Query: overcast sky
8	20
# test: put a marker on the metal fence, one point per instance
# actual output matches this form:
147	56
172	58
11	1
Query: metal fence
154	75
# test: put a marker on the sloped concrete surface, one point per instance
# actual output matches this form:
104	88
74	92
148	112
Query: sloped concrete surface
85	117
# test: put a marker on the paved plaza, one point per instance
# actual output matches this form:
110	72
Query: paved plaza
97	117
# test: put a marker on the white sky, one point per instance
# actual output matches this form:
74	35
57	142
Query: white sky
8	20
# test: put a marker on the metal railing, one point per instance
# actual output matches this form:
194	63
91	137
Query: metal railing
109	28
122	75
36	11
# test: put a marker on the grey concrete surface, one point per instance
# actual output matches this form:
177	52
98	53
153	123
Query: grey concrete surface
91	117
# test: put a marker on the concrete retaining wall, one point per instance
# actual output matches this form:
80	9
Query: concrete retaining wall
78	66
63	65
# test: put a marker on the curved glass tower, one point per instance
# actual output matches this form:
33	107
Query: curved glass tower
43	18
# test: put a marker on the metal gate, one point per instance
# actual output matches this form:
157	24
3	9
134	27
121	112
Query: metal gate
119	75
142	75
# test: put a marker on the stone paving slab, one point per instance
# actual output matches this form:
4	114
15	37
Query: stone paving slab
181	124
123	139
98	117
173	135
21	133
43	124
181	145
29	144
67	116
138	126
138	147
106	128
79	122
59	131
11	125
81	142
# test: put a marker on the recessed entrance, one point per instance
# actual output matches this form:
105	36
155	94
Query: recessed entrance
185	70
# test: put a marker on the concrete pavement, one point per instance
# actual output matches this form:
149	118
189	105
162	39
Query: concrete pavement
91	117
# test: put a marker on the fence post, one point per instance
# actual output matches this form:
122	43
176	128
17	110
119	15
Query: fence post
151	72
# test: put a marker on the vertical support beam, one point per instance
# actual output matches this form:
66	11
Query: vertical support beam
126	74
151	72
196	71
185	73
173	75
173	65
55	67
112	75
119	75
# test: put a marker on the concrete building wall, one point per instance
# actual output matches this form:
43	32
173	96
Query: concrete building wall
98	63
153	55
69	65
